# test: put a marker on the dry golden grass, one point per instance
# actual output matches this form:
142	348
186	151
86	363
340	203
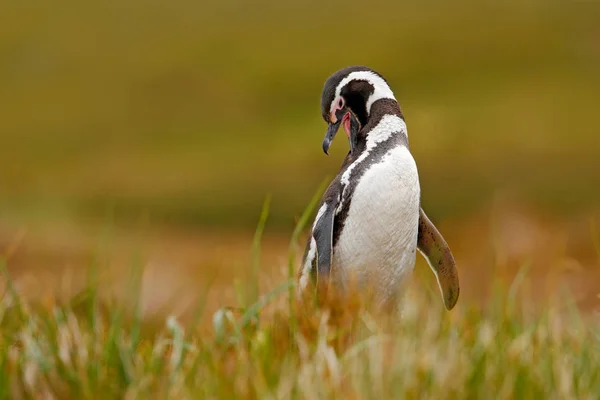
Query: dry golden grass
107	320
86	350
178	266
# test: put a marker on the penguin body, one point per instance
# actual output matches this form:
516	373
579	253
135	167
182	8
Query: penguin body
369	223
379	237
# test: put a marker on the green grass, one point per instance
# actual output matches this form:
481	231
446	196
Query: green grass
272	346
82	350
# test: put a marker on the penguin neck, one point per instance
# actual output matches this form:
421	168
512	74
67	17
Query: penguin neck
383	107
385	121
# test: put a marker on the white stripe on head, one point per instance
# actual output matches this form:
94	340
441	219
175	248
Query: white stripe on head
381	88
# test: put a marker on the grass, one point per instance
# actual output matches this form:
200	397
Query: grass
272	346
86	351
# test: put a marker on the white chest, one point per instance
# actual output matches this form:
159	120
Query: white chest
379	237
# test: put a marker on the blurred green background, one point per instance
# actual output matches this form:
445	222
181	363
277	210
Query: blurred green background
192	111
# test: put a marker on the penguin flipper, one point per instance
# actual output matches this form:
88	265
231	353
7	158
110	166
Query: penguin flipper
436	251
323	235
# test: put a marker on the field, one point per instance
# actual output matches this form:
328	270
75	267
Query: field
79	352
139	141
518	332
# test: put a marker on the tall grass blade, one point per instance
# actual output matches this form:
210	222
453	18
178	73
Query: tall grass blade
177	352
254	310
136	298
516	284
302	222
254	285
10	288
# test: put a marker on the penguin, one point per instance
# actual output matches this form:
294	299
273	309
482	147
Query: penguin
370	223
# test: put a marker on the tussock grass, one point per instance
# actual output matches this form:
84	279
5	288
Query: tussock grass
84	350
277	345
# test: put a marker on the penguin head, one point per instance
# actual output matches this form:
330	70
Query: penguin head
347	98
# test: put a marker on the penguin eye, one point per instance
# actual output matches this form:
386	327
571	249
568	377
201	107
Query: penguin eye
340	103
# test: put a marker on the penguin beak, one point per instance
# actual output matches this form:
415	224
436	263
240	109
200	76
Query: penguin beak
351	124
333	128
331	131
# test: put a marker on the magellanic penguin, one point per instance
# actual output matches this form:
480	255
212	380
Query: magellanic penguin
370	223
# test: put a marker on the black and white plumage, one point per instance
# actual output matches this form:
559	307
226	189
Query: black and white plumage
369	223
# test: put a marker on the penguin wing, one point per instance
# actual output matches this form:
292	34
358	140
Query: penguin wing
323	236
434	248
